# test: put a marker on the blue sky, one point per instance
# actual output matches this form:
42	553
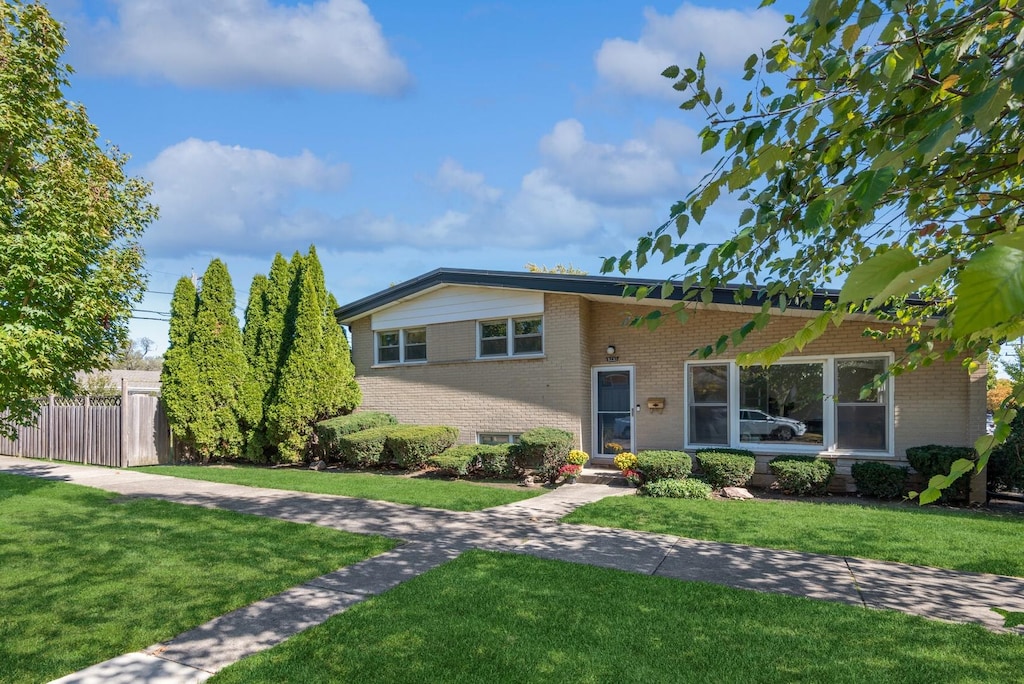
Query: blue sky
402	136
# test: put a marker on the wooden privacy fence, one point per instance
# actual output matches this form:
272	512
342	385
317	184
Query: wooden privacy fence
124	431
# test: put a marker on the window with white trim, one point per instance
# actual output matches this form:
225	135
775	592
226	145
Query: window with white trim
526	338
408	345
796	405
497	438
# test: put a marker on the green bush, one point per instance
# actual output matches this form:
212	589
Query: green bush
725	450
366	447
494	460
409	446
676	489
663	465
456	461
543	449
726	469
879	479
328	431
935	459
1006	464
802	475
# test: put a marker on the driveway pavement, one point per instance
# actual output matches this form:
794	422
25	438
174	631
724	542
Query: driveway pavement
432	537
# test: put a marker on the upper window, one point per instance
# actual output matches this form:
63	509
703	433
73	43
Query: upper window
526	338
402	346
826	404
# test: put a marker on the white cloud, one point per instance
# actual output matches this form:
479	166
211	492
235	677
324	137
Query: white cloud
725	36
452	177
638	169
326	45
220	197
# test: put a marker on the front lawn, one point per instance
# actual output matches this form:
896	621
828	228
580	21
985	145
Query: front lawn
522	619
86	575
944	538
446	494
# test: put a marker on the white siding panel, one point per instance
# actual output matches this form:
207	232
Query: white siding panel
459	303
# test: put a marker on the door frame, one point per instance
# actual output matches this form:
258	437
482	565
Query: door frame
595	454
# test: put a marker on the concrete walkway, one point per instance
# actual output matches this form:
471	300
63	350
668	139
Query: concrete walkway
433	537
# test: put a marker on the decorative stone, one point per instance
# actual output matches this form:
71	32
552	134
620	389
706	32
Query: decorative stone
527	481
318	464
736	493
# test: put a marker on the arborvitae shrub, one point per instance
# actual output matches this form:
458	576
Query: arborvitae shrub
802	475
724	469
656	465
410	446
543	449
328	431
879	479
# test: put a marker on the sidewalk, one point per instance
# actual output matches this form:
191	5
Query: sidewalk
434	536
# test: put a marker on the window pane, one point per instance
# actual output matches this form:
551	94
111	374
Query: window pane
416	352
388	339
709	425
709	384
493	438
387	347
528	327
613	391
854	374
492	330
782	403
416	336
528	345
862	426
387	355
498	347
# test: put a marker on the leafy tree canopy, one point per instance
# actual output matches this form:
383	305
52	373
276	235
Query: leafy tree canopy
70	265
881	145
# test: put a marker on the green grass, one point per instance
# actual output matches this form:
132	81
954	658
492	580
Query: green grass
959	540
86	575
522	619
446	494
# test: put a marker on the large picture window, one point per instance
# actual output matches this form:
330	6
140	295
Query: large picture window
408	345
511	337
805	405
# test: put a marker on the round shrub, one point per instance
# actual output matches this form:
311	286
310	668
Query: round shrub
494	460
879	479
543	449
331	430
366	447
802	475
676	489
663	465
725	469
411	445
455	461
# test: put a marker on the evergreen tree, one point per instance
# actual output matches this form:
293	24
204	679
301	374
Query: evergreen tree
341	391
291	414
179	376
224	376
253	339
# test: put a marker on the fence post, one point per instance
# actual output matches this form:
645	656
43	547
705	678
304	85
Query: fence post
122	462
49	428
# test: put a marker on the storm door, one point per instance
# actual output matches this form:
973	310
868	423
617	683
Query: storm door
613	411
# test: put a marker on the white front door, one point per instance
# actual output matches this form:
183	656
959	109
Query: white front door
612	399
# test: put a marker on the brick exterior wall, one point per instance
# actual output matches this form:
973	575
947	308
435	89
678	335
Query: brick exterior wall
942	404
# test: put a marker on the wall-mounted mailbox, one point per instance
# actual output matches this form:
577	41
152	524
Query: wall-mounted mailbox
656	403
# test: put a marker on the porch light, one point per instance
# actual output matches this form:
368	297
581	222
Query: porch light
611	350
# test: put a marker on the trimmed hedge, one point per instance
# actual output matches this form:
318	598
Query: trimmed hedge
495	460
656	465
475	460
328	431
366	447
802	475
543	449
676	489
879	479
725	450
725	468
409	446
935	459
455	461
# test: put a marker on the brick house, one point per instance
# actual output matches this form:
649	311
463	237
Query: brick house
497	353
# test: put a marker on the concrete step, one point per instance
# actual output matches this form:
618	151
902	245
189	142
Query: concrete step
602	475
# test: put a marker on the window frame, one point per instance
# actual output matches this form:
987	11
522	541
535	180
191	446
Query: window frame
830	408
512	437
510	337
402	344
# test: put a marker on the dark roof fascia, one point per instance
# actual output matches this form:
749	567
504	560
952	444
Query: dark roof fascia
546	282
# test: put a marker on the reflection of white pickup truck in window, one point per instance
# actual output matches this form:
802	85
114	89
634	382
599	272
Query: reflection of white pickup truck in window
754	423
